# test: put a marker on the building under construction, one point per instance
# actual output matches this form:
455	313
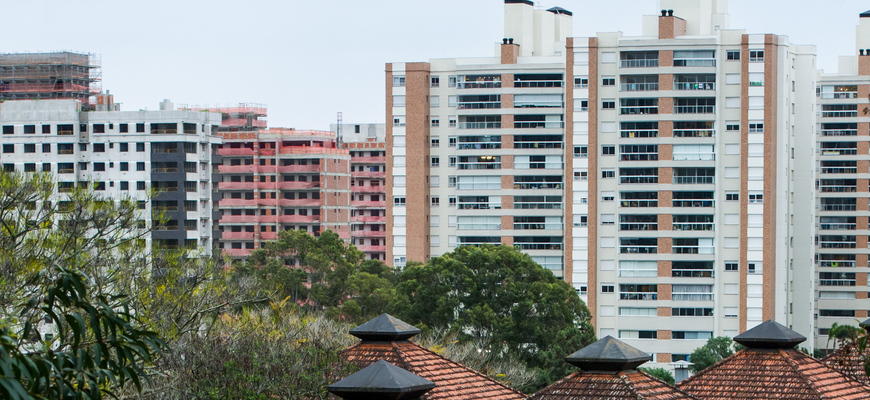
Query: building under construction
243	117
60	75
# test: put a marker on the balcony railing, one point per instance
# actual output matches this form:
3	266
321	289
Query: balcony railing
838	189
639	203
638	249
478	227
638	87
478	206
692	203
478	84
837	245
638	179
839	170
692	226
644	63
692	296
838	207
694	62
477	105
640	226
538	206
839	114
538	124
639	133
478	145
639	110
839	152
839	132
692	273
693	180
368	203
539	84
479	125
694	86
837	264
538	185
539	246
537	145
694	109
478	165
837	227
701	133
536	226
692	249
638	296
836	282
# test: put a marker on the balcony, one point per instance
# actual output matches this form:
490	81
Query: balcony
478	165
838	189
839	132
691	273
837	227
683	249
480	125
537	206
237	236
839	170
838	207
368	189
270	202
638	296
372	249
478	145
638	249
837	244
297	218
692	226
538	124
287	185
836	282
694	85
485	84
693	180
379	204
694	133
638	179
638	87
538	246
478	206
539	84
368	174
368	233
369	160
225	151
238	252
837	263
532	226
538	185
368	218
694	109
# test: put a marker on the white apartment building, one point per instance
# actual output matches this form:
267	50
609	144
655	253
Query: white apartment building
124	154
667	176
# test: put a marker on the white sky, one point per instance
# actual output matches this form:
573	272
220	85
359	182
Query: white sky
309	60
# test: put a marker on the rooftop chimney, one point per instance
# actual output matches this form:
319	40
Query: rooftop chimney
670	26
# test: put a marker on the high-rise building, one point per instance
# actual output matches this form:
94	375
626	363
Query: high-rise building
667	176
842	189
126	154
368	185
60	75
279	179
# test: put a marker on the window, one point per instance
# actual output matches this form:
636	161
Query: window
732	127
99	166
398	101
608	173
732	79
434	181
608	82
140	146
123	128
626	334
140	166
399	81
757	127
607	289
756	198
8	148
29	129
691	312
732	266
29	148
140	185
29	167
46	167
46	129
8	129
435	142
435	101
581	82
399	201
580	151
435	201
434	81
99	147
756	55
124	147
434	161
732	196
691	335
124	166
125	185
435	122
608	150
399	181
732	55
46	148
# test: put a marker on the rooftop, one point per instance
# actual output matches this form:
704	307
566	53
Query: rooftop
382	379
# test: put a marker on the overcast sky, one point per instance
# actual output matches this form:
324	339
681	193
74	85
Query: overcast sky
308	60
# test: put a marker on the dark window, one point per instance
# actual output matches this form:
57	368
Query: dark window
64	148
65	168
125	185
100	186
140	166
8	129
732	266
99	147
124	166
9	167
29	129
46	167
83	166
607	289
140	185
66	129
123	128
29	167
46	129
29	148
608	105
99	128
608	150
732	55
732	196
46	148
98	166
8	148
83	147
837	313
608	82
140	146
140	128
124	147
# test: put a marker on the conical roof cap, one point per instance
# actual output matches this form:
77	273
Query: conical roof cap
381	380
385	327
608	354
865	14
770	335
865	323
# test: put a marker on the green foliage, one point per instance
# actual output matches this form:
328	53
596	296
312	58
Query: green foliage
661	374
842	334
716	349
68	328
500	298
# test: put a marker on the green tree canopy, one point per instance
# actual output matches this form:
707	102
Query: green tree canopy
499	297
716	349
661	374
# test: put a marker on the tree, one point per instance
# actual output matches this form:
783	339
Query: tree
716	349
661	374
842	334
498	297
68	330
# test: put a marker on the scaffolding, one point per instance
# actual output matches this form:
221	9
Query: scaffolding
58	75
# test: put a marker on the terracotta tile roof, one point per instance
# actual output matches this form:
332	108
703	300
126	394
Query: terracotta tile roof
630	384
847	360
759	373
453	381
